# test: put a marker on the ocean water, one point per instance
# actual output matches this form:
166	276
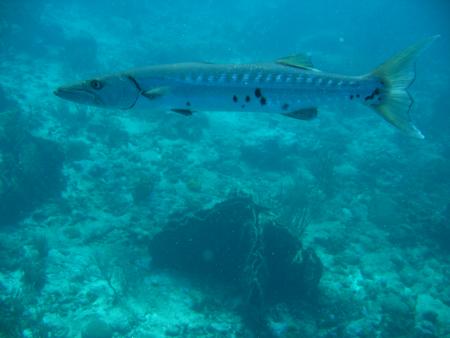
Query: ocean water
117	223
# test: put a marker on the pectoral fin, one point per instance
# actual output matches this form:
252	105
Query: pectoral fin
303	114
155	93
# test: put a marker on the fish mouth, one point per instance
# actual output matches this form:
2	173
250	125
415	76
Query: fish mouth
77	94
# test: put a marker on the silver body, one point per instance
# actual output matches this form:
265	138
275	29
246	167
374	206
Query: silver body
256	87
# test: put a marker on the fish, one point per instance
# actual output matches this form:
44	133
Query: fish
290	86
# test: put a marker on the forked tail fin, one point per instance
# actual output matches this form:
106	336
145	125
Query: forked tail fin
397	74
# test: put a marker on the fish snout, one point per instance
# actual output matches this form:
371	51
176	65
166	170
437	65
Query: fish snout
76	94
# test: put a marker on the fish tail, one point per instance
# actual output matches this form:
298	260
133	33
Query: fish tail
397	74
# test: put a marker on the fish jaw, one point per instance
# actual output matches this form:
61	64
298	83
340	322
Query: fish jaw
78	94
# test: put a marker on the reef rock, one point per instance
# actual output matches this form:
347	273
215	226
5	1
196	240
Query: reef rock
232	244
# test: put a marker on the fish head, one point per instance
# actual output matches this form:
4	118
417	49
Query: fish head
114	91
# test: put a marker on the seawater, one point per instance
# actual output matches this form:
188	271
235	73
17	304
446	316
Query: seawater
352	209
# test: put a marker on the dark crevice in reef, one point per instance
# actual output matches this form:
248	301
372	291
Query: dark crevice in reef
232	244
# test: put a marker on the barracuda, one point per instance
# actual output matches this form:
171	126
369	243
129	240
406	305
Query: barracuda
289	86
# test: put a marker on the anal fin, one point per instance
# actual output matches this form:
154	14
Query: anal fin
185	112
303	114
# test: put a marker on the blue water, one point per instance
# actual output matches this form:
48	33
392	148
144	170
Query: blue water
338	227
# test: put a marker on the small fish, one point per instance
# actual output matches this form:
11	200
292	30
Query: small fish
290	86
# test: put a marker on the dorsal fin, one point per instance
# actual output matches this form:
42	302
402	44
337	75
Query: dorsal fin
302	61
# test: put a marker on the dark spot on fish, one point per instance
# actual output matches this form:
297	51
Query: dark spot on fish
247	98
372	96
285	106
235	99
263	101
258	92
351	97
358	96
242	106
188	104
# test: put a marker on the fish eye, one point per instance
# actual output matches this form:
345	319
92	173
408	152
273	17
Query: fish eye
96	84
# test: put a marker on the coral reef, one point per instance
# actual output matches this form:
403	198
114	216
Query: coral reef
97	328
30	169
